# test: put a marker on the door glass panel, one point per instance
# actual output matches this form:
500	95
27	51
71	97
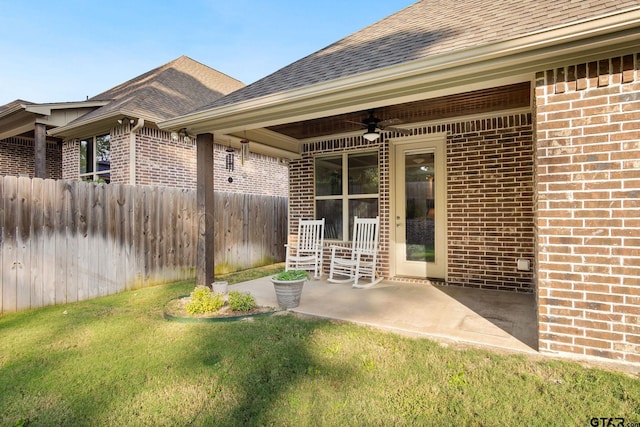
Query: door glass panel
420	207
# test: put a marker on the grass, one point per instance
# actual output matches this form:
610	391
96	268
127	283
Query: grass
116	361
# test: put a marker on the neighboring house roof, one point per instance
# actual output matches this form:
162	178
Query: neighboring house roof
175	88
13	106
426	28
19	117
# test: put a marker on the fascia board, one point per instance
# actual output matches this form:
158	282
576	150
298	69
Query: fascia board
46	109
81	127
521	54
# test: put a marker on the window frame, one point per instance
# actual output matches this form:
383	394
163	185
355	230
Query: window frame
95	174
345	197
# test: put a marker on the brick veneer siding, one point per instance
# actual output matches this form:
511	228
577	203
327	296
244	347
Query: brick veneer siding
71	159
17	157
490	202
588	169
490	191
161	161
260	175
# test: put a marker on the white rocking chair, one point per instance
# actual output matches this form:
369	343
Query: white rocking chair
306	253
361	263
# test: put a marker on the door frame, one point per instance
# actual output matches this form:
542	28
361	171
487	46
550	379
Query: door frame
436	142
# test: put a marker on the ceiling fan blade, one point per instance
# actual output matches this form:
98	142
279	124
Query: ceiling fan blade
388	122
356	123
399	130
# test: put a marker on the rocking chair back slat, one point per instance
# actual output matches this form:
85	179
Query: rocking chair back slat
306	253
365	236
362	261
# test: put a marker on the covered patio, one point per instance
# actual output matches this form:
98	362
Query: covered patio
513	141
501	320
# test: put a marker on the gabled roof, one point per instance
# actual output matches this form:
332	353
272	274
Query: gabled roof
175	88
426	28
429	50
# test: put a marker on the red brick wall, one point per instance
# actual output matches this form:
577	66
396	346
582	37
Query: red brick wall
161	160
71	159
490	205
17	158
165	162
490	198
260	175
588	168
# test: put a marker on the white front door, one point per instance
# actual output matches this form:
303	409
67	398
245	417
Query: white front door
419	207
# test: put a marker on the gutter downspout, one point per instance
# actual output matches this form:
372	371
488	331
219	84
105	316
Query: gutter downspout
132	151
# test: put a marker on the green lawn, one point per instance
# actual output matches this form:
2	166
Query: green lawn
115	361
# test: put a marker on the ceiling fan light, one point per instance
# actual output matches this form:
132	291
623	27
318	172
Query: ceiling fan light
371	135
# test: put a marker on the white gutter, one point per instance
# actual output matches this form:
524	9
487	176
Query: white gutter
132	151
404	82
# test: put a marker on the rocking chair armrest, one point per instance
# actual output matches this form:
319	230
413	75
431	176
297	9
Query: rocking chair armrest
333	249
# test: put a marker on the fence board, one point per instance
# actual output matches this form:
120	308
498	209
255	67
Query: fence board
83	207
140	219
49	256
70	213
63	241
60	239
36	244
9	250
23	254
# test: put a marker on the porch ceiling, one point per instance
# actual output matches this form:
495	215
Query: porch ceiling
506	97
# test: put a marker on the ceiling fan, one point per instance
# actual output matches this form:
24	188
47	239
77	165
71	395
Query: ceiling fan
373	124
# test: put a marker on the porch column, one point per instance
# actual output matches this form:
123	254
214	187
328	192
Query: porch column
204	258
40	151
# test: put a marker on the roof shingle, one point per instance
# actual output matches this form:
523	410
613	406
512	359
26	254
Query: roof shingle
175	88
428	27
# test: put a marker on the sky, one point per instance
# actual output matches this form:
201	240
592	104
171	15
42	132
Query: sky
68	50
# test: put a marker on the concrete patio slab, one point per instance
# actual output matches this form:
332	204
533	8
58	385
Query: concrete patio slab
496	319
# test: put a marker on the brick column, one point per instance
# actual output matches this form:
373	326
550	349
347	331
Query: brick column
588	170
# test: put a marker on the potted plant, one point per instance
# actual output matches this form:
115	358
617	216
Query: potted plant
288	286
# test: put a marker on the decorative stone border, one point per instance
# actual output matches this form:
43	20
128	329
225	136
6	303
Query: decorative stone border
181	319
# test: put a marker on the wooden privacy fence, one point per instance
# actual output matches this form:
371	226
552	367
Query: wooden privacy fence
67	241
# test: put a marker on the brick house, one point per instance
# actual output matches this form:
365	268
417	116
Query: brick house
502	152
114	137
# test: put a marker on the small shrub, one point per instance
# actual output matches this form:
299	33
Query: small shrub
241	301
203	301
291	275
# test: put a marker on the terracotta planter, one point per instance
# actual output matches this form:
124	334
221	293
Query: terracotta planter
288	292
